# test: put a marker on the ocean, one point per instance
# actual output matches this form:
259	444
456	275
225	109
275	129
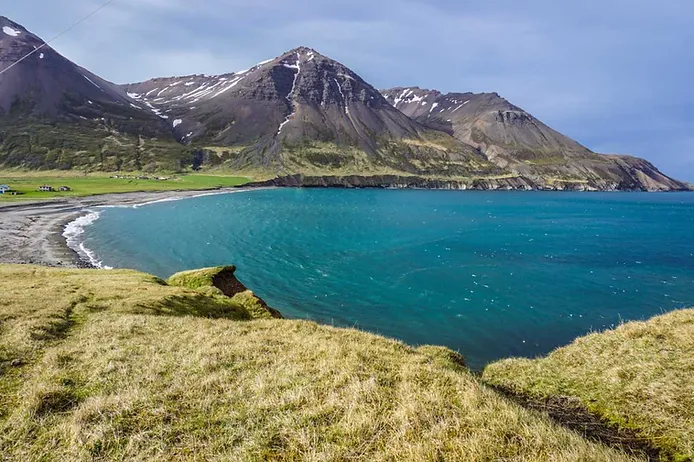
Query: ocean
489	274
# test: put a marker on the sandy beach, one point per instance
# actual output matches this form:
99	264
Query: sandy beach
32	232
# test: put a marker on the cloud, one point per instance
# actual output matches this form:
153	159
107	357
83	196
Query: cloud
615	74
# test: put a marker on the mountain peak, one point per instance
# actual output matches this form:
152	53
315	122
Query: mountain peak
44	83
305	54
302	50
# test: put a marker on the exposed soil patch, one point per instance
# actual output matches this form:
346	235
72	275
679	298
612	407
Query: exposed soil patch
227	282
570	413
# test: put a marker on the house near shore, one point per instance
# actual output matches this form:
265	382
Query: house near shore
4	188
46	188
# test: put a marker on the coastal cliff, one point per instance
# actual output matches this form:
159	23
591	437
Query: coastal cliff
483	184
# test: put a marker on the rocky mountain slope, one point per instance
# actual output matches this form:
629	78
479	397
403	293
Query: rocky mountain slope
516	141
300	118
303	112
55	114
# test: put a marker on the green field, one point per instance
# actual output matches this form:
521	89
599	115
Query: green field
91	184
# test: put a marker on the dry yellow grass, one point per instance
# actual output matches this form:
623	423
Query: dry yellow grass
129	373
639	377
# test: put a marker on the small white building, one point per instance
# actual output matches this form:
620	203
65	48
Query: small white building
4	188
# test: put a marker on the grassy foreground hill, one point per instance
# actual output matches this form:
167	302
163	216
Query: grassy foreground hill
638	377
119	365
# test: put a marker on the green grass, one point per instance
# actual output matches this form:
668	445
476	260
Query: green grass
119	143
101	183
118	365
639	377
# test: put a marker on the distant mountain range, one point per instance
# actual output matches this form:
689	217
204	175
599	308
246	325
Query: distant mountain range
299	119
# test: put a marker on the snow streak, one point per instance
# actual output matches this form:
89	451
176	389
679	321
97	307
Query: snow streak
290	96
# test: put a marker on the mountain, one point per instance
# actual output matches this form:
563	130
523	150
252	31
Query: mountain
55	114
303	113
514	140
298	119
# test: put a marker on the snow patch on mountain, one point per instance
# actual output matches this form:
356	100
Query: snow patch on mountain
11	32
290	96
231	85
407	96
339	87
90	81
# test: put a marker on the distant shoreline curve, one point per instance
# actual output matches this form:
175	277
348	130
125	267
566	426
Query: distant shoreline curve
33	232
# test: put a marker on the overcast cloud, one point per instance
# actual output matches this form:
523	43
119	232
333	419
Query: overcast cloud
614	74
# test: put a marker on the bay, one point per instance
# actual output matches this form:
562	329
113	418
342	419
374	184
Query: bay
489	274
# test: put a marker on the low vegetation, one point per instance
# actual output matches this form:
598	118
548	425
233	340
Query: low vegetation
636	378
98	144
120	365
88	184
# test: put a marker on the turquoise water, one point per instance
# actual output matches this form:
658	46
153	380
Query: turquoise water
490	274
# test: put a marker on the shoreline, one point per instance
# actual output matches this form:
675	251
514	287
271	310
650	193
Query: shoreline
32	232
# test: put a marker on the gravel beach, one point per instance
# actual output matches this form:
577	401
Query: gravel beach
32	232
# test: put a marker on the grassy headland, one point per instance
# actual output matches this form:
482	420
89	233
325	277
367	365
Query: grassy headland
119	365
638	377
89	184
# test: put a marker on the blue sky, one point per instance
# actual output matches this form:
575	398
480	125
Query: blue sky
616	75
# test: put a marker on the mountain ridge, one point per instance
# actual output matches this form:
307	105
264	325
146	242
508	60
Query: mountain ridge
303	112
514	139
300	113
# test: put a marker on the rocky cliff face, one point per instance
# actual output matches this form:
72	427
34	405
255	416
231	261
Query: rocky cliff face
417	182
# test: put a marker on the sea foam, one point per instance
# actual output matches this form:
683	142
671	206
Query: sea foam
73	234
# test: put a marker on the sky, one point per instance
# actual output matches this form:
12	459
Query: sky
616	75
